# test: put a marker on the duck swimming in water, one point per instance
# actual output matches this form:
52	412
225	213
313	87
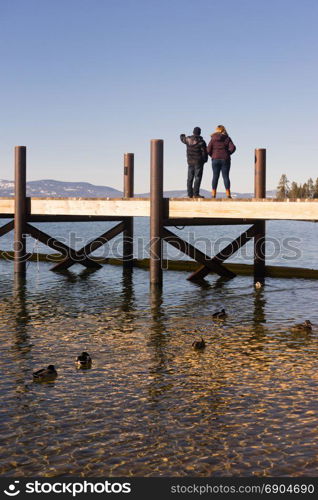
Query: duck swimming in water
219	314
306	326
198	344
45	374
84	360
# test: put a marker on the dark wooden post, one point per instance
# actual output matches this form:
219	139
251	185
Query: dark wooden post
20	208
260	173
128	234
156	211
128	175
260	192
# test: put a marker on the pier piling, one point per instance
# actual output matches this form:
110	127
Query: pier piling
260	173
156	211
128	234
20	210
260	192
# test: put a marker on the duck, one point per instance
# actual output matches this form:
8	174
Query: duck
199	344
219	314
84	360
45	374
258	284
306	326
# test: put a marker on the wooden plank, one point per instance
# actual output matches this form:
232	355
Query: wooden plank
261	209
6	206
178	208
201	221
227	252
101	207
74	218
59	246
90	247
195	254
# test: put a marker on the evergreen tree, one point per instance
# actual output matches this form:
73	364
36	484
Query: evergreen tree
311	188
282	188
304	190
316	189
294	190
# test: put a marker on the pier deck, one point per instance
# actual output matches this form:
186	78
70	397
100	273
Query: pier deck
265	209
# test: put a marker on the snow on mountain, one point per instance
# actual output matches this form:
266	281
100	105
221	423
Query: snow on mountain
59	189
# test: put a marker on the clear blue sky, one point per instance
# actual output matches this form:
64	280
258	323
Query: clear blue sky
83	81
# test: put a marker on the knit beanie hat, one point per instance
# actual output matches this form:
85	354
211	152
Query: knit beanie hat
196	131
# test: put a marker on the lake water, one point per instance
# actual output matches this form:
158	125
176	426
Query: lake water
151	405
289	243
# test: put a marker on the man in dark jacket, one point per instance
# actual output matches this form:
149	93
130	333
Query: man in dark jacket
196	157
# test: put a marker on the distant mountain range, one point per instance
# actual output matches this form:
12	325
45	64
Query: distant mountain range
59	189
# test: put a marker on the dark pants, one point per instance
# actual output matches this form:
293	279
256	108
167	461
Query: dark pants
219	166
194	173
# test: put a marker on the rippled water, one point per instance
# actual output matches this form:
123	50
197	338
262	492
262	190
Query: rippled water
151	405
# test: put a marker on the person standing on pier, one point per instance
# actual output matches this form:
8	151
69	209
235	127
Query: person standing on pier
197	156
220	149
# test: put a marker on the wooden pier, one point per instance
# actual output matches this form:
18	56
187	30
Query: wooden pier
163	213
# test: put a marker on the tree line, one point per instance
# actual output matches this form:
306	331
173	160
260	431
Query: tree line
287	189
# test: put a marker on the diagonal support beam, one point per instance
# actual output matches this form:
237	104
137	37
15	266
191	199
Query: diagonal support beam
194	253
90	247
227	252
60	247
7	228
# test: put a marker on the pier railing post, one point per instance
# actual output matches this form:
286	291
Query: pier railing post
156	211
20	209
128	234
260	173
260	192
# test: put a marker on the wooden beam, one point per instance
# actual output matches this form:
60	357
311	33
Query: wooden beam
178	208
91	206
197	221
156	211
6	228
128	236
195	254
59	246
90	247
259	251
75	218
245	209
227	252
20	210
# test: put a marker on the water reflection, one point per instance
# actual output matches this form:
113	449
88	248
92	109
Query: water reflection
127	294
157	343
259	318
151	405
19	300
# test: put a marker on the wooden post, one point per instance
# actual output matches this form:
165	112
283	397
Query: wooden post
156	211
128	175
260	192
128	234
20	207
260	173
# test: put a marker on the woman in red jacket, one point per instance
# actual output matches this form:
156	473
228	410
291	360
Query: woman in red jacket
220	149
